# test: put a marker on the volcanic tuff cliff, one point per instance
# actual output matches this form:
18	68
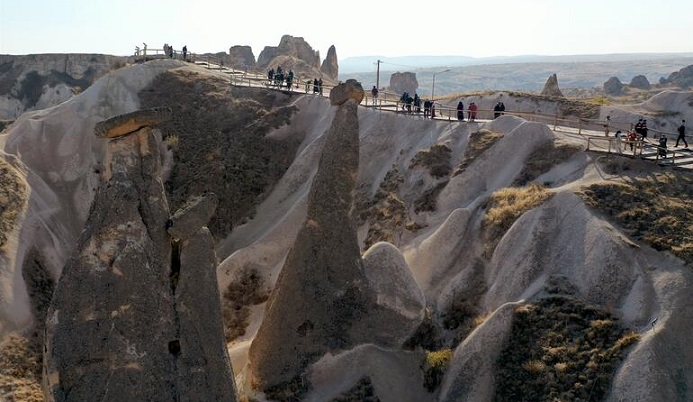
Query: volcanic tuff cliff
540	275
39	81
136	313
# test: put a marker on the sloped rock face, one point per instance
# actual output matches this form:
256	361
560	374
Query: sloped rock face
125	317
640	81
682	78
551	87
296	48
330	66
401	82
320	292
241	57
39	81
324	301
613	86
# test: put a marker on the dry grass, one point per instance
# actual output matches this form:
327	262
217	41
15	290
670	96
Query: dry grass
505	206
655	209
434	367
543	159
479	142
436	159
560	349
20	372
13	195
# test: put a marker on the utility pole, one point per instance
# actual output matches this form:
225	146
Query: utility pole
377	78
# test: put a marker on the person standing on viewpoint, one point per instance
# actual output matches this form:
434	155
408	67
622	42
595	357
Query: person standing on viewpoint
682	134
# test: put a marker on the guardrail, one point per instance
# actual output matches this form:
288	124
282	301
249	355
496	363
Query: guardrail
591	130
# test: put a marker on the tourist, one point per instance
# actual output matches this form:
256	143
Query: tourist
374	93
270	75
472	111
497	110
606	126
417	103
682	134
320	86
185	52
460	111
427	108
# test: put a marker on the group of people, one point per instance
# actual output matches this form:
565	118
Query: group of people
168	50
279	79
640	131
472	110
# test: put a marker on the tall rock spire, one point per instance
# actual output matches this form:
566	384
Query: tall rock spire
320	293
125	319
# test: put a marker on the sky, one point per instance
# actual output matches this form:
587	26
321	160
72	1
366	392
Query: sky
354	27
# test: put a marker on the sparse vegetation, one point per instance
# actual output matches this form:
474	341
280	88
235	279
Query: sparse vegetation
505	206
479	142
386	212
561	349
246	290
13	194
436	159
543	159
434	367
171	141
655	209
20	371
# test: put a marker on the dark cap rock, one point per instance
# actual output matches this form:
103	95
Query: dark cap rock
351	89
124	124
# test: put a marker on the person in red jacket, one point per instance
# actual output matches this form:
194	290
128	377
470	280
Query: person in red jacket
472	111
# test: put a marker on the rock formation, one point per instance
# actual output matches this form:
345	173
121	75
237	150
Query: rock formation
241	57
682	78
39	81
640	82
613	86
323	301
401	82
125	319
551	87
296	54
330	66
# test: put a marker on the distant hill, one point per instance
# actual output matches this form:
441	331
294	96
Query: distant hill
520	72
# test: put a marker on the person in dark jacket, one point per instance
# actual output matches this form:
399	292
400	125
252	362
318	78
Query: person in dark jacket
460	111
682	134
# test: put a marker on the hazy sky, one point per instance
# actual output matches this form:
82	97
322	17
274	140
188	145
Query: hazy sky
355	27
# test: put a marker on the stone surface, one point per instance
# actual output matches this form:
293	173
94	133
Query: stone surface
125	322
404	82
330	66
320	292
204	369
551	87
130	122
640	81
613	86
351	89
195	214
39	81
241	57
682	78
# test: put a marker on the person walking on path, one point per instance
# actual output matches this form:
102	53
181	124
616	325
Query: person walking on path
460	111
374	93
185	52
682	134
472	111
606	125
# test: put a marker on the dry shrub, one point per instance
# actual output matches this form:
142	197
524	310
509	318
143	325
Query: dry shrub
655	209
434	367
13	194
20	379
436	159
543	159
479	142
560	349
505	207
246	290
